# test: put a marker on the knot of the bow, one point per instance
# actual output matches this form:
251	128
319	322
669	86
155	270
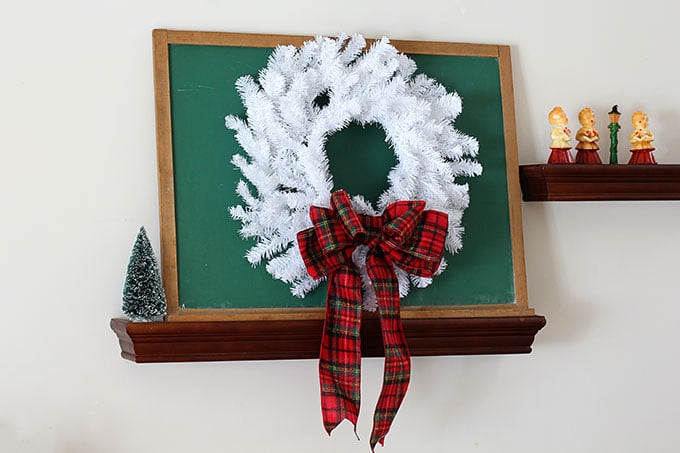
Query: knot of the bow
405	235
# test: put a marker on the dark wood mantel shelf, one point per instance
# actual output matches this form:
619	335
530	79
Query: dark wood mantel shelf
262	340
575	182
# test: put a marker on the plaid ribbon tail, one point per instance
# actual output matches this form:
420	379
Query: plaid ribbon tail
340	357
397	371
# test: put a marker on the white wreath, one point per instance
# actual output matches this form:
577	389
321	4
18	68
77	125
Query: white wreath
285	134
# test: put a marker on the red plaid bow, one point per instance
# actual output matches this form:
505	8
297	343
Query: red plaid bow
406	236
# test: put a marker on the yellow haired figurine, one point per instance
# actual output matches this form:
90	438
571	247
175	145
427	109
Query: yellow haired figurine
560	136
641	138
587	137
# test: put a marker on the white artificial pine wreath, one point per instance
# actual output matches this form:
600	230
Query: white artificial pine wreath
286	163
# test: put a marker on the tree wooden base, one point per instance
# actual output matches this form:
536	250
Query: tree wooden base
266	340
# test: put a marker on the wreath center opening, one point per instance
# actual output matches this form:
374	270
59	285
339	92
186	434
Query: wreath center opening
359	158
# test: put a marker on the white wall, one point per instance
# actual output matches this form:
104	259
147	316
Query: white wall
78	177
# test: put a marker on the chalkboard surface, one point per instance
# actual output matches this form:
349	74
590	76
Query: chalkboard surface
211	271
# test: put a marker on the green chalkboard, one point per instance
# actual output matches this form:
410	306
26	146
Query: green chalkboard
209	271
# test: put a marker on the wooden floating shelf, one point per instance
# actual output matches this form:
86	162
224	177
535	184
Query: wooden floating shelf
186	341
577	182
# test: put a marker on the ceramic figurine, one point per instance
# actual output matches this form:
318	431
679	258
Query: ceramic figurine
587	138
560	136
614	127
641	138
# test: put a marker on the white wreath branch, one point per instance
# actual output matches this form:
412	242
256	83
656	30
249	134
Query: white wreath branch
285	131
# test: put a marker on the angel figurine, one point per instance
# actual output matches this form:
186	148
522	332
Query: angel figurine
641	138
560	136
587	137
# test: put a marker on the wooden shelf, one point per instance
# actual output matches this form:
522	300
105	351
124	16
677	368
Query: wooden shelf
263	340
576	182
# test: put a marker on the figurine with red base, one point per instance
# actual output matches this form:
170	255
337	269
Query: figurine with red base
641	138
587	137
560	136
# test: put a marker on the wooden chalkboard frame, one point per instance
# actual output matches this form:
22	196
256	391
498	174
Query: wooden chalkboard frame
162	39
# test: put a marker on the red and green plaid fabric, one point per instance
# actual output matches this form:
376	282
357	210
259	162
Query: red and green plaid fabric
406	236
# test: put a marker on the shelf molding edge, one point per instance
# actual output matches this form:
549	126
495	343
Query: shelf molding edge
197	341
577	182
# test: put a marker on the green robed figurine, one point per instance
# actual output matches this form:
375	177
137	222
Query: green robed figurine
614	127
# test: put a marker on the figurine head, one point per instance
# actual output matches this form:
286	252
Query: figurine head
640	120
586	117
557	117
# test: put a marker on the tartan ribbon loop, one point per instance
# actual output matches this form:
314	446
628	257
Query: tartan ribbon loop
405	235
404	218
343	207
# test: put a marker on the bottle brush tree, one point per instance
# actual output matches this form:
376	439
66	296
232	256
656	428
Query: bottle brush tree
143	295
